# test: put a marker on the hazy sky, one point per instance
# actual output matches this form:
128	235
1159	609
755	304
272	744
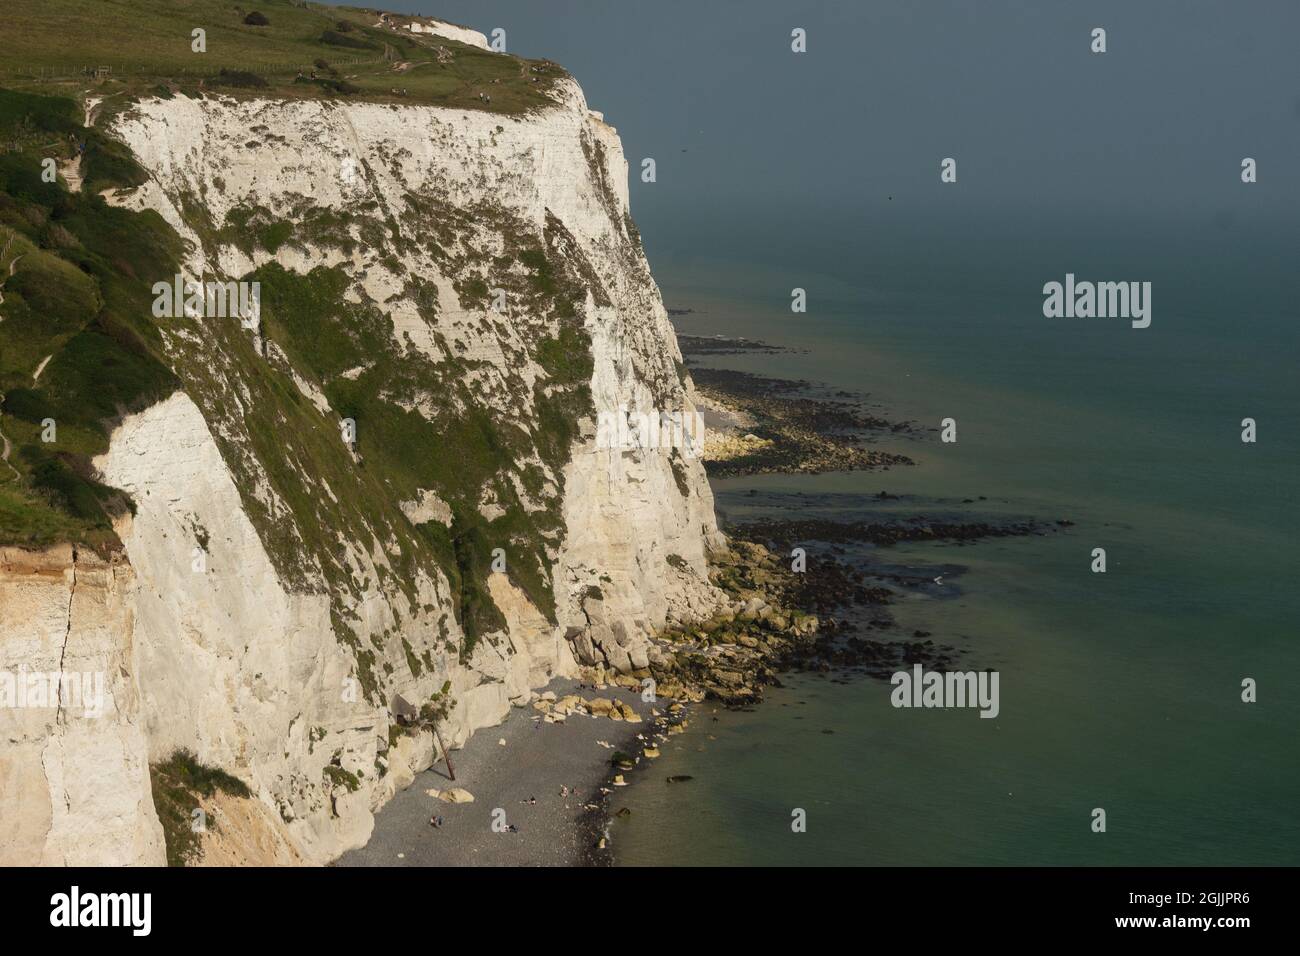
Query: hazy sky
1042	129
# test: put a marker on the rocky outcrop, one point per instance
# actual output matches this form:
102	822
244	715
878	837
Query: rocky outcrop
450	31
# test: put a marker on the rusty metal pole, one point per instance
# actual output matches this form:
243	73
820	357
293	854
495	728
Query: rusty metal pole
446	754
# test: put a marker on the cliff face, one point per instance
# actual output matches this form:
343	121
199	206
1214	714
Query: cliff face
468	292
74	775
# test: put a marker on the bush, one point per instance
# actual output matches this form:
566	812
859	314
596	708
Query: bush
342	87
240	78
256	19
59	238
338	39
108	163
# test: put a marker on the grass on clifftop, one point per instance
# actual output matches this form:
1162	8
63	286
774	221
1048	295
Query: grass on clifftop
147	46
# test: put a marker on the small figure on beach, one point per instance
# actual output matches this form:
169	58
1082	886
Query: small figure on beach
435	821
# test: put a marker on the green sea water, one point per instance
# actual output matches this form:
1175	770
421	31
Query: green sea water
1119	691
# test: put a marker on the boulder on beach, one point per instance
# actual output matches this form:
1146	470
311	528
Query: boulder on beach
626	712
454	795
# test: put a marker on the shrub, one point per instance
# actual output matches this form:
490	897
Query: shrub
342	87
238	78
334	38
60	238
256	19
338	777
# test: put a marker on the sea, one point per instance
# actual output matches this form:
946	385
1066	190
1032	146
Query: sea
1120	691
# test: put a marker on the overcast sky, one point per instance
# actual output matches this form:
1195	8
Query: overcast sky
1041	127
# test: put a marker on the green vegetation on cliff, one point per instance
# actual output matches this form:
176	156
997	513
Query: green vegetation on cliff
178	783
75	275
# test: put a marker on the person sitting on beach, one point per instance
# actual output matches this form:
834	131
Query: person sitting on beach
435	821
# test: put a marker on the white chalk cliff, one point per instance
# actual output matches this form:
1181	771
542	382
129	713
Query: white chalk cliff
271	638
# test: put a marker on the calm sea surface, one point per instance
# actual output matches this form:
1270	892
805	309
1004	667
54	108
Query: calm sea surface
1119	690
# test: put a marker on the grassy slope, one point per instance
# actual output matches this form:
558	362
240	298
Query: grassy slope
79	295
46	43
